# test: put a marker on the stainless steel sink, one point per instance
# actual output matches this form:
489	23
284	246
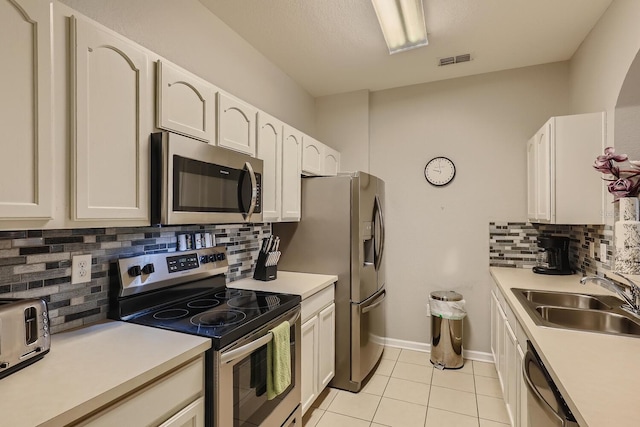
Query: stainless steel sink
564	299
584	312
590	320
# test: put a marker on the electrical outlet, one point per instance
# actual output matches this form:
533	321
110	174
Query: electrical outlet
592	250
81	269
603	252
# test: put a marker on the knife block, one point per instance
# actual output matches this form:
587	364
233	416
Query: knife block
266	272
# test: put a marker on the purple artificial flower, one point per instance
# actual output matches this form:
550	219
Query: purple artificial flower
621	188
605	164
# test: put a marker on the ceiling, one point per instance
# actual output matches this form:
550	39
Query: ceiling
335	46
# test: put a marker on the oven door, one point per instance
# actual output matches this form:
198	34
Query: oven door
200	183
240	397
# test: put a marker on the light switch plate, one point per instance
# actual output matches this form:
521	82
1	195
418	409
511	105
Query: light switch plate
81	269
592	250
603	252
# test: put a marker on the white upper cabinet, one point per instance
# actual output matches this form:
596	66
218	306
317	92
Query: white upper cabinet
279	147
185	103
319	159
112	121
330	162
559	171
312	156
291	171
236	124
270	151
25	110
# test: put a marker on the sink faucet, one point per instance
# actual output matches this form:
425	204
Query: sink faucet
633	300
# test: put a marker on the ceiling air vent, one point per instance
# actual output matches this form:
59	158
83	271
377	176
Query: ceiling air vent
454	59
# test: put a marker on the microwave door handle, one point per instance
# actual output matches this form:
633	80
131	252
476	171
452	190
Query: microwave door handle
254	190
378	212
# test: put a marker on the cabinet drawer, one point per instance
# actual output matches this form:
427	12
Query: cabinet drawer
316	302
157	402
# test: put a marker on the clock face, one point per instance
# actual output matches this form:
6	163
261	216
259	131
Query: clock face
439	171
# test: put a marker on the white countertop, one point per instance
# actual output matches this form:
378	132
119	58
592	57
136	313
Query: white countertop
89	367
288	282
597	374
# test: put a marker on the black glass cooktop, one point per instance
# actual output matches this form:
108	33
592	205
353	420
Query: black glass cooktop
223	314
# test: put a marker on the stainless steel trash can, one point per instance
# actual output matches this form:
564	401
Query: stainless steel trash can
446	334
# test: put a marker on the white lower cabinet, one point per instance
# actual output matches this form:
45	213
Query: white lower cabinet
507	348
171	401
309	379
318	344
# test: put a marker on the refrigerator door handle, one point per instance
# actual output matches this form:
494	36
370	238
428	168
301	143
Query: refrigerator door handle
376	302
378	213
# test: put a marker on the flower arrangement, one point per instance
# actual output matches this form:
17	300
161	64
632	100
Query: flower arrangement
623	182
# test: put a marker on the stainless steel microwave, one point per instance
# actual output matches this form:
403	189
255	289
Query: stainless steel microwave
193	182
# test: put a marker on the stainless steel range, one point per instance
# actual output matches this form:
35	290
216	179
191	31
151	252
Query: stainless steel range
186	292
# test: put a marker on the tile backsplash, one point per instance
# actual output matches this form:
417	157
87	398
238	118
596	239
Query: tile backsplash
37	263
514	244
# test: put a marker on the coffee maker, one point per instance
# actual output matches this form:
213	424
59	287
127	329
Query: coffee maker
553	256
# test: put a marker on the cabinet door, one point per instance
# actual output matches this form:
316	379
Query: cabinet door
25	110
330	162
494	329
326	346
312	156
191	416
185	104
532	177
521	391
270	151
291	171
110	134
543	176
309	363
236	124
511	373
501	320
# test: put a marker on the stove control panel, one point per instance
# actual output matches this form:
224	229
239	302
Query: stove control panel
154	271
182	262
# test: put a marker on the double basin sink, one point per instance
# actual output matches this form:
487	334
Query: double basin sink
584	312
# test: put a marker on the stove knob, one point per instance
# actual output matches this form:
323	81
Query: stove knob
134	271
204	259
212	258
148	269
220	257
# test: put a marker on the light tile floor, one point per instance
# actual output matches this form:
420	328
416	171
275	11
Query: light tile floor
406	391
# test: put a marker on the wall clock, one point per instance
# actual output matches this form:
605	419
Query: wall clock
440	171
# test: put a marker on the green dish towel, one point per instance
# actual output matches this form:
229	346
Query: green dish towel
278	360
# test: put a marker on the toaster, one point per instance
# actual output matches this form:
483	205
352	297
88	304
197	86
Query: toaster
24	333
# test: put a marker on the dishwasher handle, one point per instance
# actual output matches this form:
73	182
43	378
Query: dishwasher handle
541	403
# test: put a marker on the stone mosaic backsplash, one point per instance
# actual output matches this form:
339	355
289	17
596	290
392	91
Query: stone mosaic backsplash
514	244
37	263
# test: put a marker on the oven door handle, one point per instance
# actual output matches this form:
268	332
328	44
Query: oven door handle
249	348
254	191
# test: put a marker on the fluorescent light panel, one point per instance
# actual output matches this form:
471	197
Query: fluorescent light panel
402	23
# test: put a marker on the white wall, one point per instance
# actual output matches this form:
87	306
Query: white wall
188	34
438	238
599	66
342	122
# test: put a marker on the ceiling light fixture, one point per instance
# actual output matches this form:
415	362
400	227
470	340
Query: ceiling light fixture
402	23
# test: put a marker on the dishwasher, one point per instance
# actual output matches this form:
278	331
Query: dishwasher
545	405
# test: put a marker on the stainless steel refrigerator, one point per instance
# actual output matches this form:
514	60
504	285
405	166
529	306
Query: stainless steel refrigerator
341	232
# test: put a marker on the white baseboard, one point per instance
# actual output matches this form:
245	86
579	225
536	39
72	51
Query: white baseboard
480	356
